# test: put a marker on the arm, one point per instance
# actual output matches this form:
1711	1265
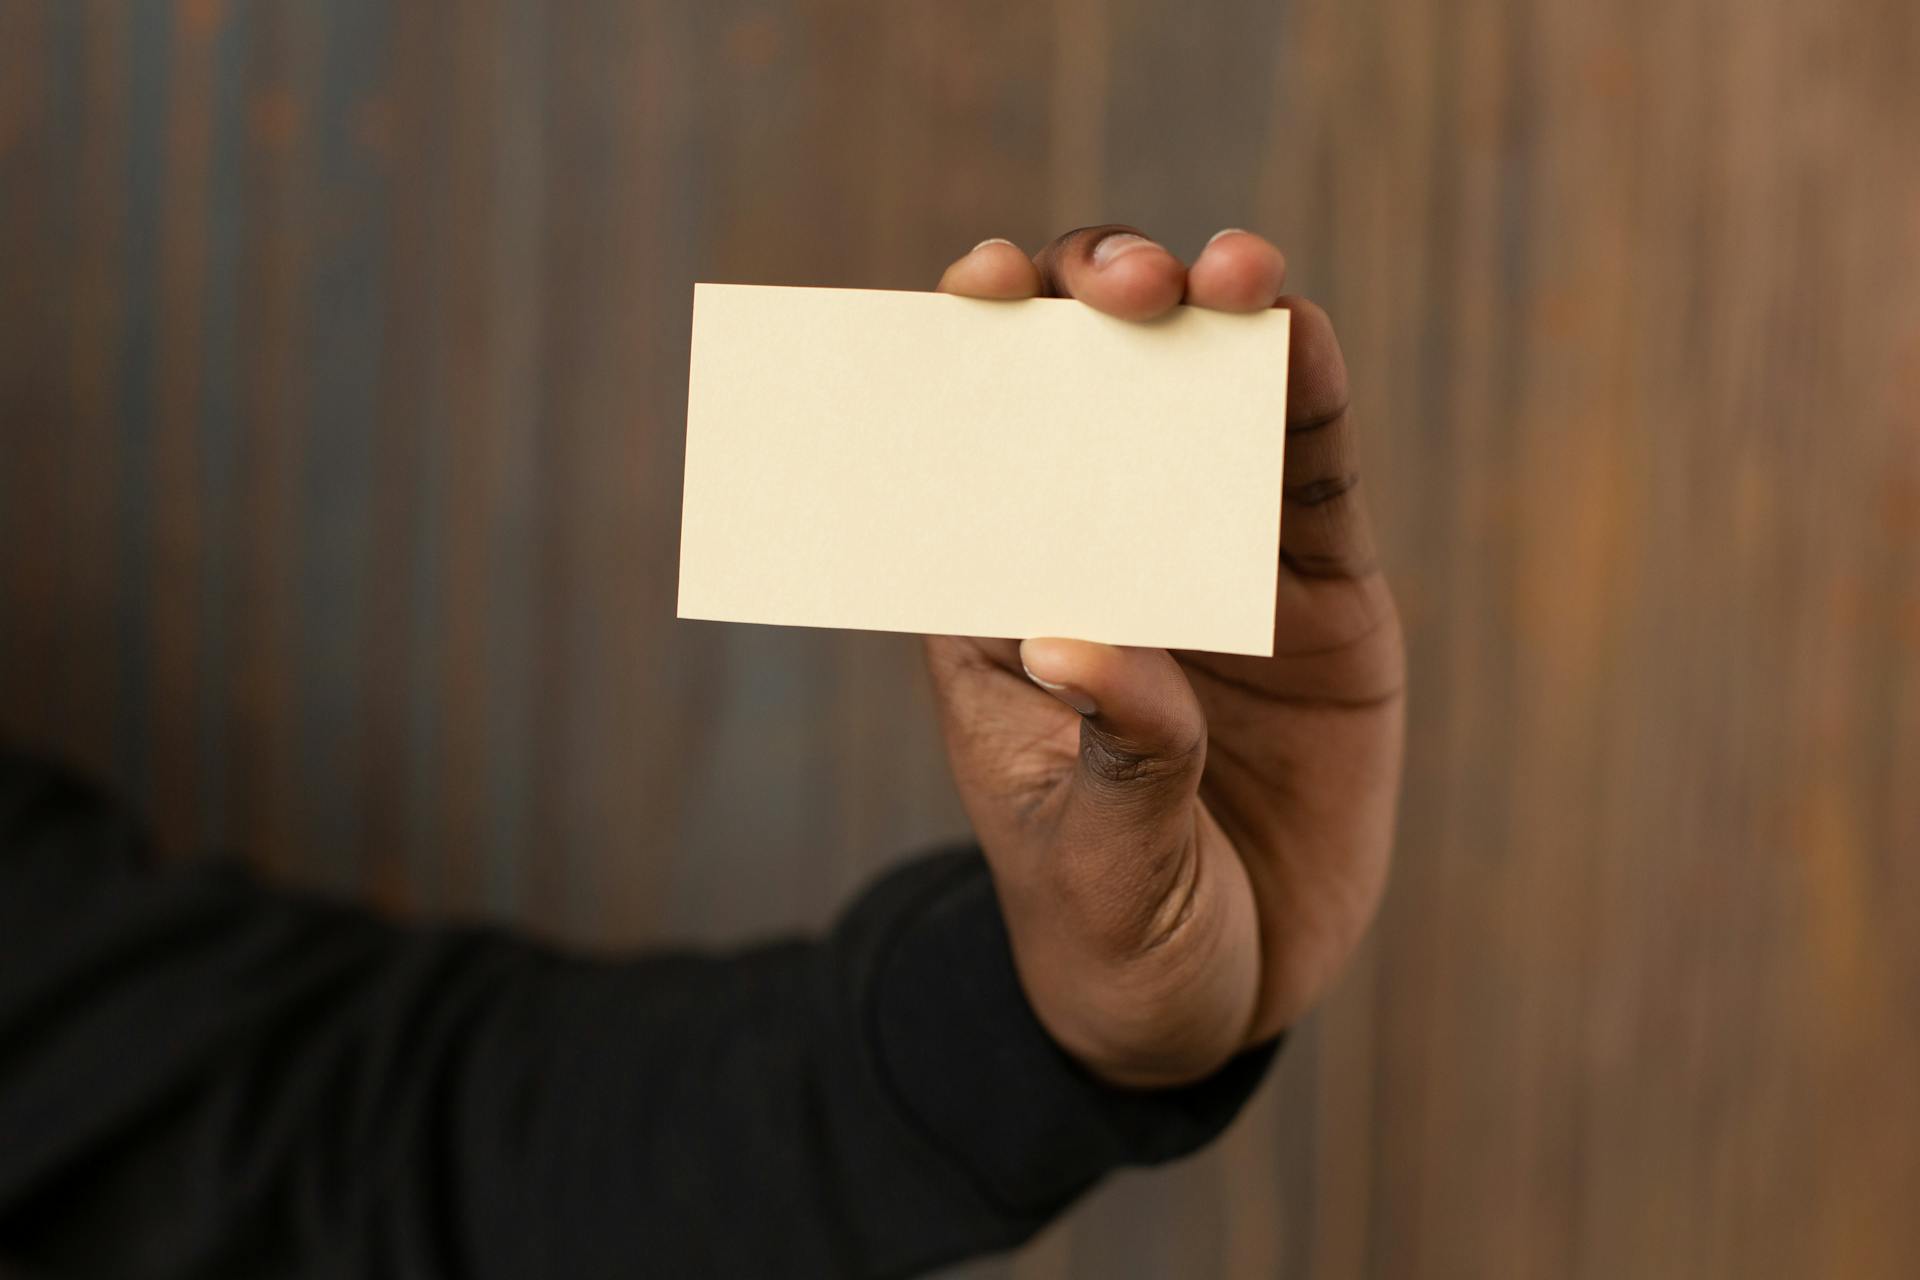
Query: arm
203	1075
198	1074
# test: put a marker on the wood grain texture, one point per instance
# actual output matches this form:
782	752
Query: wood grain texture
342	357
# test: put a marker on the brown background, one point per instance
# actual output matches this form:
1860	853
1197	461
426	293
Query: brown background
341	370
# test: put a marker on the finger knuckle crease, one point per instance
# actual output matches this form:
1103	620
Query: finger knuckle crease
1319	417
1120	766
1326	564
1313	493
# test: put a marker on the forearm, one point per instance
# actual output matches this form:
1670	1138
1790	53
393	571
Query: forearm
200	1073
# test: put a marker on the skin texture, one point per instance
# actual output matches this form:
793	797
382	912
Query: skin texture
1186	866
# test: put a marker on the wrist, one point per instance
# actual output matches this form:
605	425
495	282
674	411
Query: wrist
1157	1017
958	1045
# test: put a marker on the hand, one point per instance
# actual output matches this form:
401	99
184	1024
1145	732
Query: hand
1187	847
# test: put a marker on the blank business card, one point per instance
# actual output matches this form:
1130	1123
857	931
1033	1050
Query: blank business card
920	462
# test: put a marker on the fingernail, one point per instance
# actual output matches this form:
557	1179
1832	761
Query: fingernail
1117	246
1227	231
993	240
1075	698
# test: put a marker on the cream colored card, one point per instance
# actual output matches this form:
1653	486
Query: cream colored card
920	462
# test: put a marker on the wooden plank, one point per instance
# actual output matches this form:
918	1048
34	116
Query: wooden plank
34	315
178	477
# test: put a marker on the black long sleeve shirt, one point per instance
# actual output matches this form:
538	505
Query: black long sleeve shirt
202	1075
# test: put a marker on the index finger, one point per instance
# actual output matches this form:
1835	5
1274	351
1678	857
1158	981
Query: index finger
993	268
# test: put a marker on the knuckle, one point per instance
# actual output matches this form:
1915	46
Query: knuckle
1122	765
1317	369
1322	489
1077	243
1329	565
1316	411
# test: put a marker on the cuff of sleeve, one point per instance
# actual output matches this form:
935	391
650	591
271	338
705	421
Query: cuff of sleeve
965	1057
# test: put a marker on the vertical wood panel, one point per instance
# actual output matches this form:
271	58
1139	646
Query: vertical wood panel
34	318
89	677
407	120
284	56
342	359
337	318
176	394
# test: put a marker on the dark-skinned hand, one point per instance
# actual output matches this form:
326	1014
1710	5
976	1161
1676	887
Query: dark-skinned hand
1187	847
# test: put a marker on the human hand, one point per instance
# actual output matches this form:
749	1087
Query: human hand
1187	847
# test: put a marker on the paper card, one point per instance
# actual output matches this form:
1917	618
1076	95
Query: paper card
921	462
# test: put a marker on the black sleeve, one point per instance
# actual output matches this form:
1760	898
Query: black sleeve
204	1076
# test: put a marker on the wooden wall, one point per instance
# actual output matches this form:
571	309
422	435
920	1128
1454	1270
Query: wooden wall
342	350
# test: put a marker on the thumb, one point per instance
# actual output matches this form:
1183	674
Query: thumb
1128	825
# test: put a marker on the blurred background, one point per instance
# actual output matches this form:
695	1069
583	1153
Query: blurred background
342	370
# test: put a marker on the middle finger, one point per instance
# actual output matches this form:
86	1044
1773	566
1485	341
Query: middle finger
1115	269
